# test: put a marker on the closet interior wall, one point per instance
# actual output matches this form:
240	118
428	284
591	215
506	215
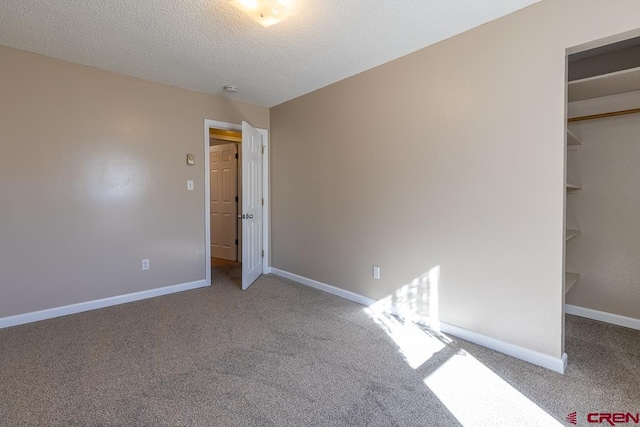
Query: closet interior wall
606	209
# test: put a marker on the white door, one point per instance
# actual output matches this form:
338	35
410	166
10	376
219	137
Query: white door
224	205
251	215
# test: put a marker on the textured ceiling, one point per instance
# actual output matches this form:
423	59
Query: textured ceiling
203	45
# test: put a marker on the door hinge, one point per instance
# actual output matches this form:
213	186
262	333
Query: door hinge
236	155
236	241
236	198
262	202
263	149
263	253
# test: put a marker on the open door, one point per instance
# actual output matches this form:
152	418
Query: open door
251	216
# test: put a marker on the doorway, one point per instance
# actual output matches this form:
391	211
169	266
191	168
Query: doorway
225	179
225	184
229	219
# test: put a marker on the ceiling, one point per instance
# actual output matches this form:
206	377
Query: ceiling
203	45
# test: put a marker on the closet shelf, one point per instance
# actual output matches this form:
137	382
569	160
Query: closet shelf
572	188
572	140
570	279
570	234
605	84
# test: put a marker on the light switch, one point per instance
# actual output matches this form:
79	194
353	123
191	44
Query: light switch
190	185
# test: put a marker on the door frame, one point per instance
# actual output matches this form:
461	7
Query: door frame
266	226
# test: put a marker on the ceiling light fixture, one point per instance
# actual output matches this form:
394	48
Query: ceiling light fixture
265	12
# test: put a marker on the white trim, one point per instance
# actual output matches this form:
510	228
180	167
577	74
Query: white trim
553	363
266	226
50	313
324	287
614	319
531	356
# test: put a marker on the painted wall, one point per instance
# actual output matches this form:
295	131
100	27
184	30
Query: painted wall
451	157
606	209
93	179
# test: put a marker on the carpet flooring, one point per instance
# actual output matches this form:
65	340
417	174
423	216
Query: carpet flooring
281	354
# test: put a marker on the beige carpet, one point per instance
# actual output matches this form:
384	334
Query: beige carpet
281	354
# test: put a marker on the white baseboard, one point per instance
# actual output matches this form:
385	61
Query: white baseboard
553	363
50	313
352	296
615	319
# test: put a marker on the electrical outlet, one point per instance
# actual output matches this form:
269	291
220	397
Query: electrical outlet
376	272
190	185
145	264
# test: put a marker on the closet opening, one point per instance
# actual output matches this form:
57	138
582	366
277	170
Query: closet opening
602	175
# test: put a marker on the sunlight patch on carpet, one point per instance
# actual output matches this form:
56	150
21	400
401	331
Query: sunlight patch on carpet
398	313
477	396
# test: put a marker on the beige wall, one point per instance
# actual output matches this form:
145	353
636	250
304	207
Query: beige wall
606	209
453	157
93	179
